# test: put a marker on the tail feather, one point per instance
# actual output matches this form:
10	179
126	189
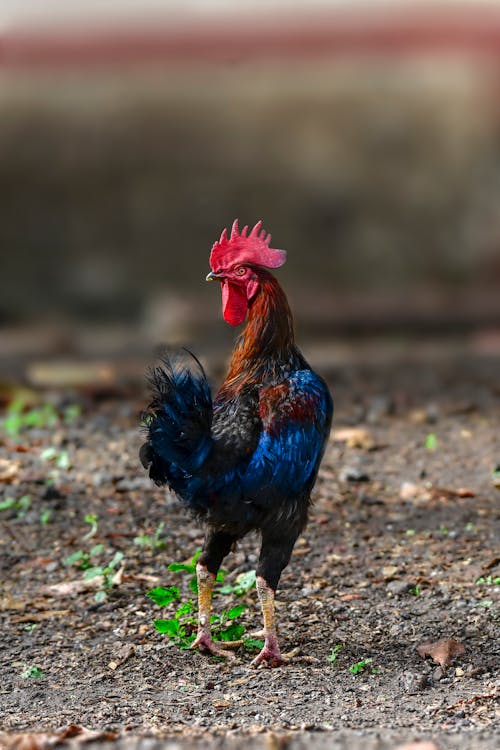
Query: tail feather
178	420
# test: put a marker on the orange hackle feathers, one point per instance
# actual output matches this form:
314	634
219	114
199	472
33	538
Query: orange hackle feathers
245	248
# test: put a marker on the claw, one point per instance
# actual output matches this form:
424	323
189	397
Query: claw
204	643
269	659
270	655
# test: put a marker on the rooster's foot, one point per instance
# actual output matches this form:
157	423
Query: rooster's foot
270	656
205	644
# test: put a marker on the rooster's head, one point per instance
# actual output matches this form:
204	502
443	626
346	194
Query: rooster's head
235	262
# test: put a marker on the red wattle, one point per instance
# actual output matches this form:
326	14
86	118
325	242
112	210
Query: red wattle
234	303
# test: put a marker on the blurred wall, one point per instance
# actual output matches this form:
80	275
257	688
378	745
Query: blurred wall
381	179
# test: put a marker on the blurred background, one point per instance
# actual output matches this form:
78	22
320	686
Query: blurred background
366	136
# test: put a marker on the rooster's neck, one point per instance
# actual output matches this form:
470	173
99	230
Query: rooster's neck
266	348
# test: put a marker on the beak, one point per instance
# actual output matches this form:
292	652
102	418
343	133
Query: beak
212	276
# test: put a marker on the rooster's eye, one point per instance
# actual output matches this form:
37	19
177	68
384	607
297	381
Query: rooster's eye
241	271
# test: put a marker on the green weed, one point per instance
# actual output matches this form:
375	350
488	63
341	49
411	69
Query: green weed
21	505
91	567
18	417
59	458
107	571
181	627
190	568
488	581
71	413
243	584
361	666
431	441
153	542
45	516
83	560
93	521
33	673
334	653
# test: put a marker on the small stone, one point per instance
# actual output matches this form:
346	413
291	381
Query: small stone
398	588
413	682
381	406
353	474
388	571
438	674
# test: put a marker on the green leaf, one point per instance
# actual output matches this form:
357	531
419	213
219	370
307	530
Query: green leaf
143	541
92	519
169	627
8	503
179	567
235	612
93	572
185	609
75	557
195	558
48	453
360	666
186	641
33	672
193	585
45	516
63	460
163	596
100	596
246	581
117	558
72	412
431	441
231	633
253	644
335	652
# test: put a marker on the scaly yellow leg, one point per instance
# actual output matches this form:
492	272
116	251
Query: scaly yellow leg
203	640
270	654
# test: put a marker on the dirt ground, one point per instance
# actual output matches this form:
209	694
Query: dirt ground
402	548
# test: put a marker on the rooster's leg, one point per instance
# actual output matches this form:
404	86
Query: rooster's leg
216	547
274	557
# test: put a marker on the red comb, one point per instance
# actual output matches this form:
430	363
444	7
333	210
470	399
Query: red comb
242	247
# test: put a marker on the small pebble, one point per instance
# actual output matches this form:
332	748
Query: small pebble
353	474
413	682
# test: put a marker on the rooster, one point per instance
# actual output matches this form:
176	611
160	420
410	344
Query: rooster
247	459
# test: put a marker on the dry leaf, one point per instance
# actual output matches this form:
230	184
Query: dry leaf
389	571
40	616
26	741
221	704
355	437
70	588
350	597
7	602
8	469
442	652
121	654
412	491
